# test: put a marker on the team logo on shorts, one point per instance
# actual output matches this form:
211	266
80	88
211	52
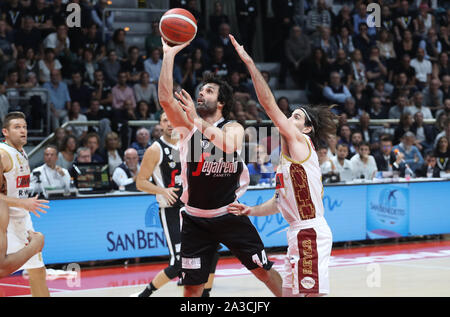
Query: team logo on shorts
308	282
205	144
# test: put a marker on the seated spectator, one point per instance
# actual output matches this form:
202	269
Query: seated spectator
221	39
93	41
344	40
112	153
58	138
377	110
445	131
327	43
47	65
102	90
385	156
396	111
342	66
381	92
423	68
27	37
375	67
423	132
134	65
218	17
96	111
218	65
363	164
445	110
92	142
153	64
386	46
350	108
142	142
317	17
153	40
79	91
342	164
356	140
4	103
442	67
442	154
89	67
147	92
361	95
331	143
261	170
240	91
364	41
111	68
118	45
404	125
430	168
97	16
335	91
413	157
402	86
433	97
404	66
317	73
253	112
58	41
431	46
121	92
283	104
124	175
325	163
364	128
345	134
66	155
156	133
50	175
143	111
79	131
83	156
59	97
418	106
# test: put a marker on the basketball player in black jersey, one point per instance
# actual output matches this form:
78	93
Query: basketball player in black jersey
161	162
214	176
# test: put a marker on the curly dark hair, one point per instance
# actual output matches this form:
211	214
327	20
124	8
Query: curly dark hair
225	92
322	121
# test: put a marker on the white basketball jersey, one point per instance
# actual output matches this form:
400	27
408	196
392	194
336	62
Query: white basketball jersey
18	178
299	187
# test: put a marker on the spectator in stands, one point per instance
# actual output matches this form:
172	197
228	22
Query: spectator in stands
327	43
12	89
423	132
14	13
142	142
404	66
31	62
413	157
50	174
385	156
363	41
102	90
152	65
445	131
344	40
360	18
59	97
47	65
317	72
124	175
89	66
376	69
156	132
58	41
342	66
423	68
335	91
418	106
143	111
356	139
445	88
218	65
431	45
424	20
222	39
189	78
74	115
317	17
112	153
345	135
118	45
325	163
442	67
79	91
66	155
122	92
83	156
396	111
283	104
200	63
92	141
442	154
240	90
358	67
377	110
97	16
350	108
147	92
27	37
342	21
111	68
41	16
343	166
246	14
260	168
430	167
153	40
404	125
134	65
385	45
253	112
363	164
331	143
96	111
433	97
4	103
58	138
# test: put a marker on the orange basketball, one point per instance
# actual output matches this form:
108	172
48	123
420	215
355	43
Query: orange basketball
178	26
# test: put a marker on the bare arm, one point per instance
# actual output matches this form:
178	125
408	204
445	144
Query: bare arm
265	209
165	88
12	262
149	162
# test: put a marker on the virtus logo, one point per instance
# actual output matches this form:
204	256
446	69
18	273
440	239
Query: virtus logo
374	18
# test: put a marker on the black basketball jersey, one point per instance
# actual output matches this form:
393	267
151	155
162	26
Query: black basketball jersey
212	179
167	172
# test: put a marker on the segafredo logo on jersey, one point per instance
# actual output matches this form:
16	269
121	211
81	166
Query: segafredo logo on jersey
220	167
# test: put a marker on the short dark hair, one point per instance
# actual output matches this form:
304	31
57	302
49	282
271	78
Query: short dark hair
225	92
51	146
11	116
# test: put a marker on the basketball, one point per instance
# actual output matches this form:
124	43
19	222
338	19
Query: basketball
178	26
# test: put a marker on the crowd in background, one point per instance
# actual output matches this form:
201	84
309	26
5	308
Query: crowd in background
399	70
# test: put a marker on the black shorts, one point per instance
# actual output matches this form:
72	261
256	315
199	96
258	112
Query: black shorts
200	238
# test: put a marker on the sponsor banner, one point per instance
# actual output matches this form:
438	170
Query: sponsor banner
387	211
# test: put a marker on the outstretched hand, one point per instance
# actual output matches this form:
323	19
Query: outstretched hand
238	209
172	49
185	101
240	50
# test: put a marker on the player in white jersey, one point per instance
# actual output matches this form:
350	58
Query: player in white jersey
15	174
299	190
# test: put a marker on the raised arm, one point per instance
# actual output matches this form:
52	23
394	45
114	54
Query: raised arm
265	96
167	101
149	162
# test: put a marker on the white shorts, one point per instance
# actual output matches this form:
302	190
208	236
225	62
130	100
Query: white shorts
308	255
17	238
